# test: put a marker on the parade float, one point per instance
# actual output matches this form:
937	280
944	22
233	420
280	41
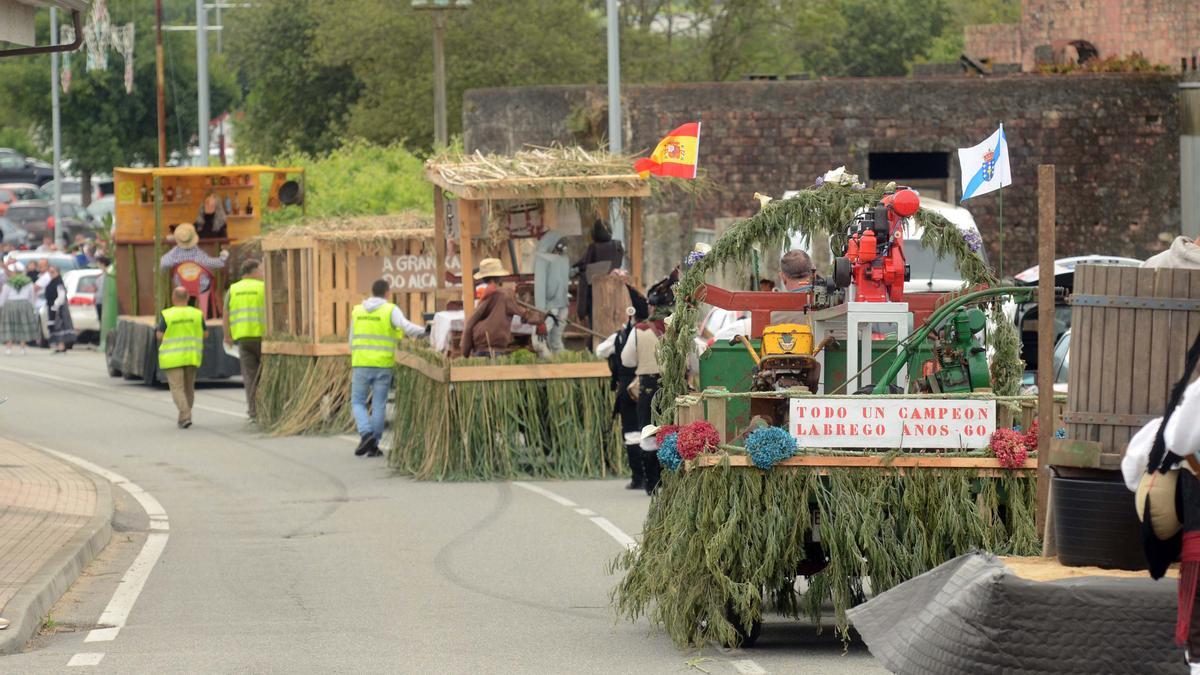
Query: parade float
150	203
512	414
825	496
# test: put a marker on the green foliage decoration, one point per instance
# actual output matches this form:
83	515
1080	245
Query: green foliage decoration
304	395
825	209
724	542
503	429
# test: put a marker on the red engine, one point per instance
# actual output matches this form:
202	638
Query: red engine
874	258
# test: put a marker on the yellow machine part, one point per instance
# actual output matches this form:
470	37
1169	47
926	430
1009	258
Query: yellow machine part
787	339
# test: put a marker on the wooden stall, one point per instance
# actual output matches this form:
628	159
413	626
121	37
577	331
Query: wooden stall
1130	331
317	272
150	202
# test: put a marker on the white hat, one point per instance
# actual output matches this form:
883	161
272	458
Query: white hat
649	430
490	267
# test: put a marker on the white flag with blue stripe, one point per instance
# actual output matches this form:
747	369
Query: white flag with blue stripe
985	166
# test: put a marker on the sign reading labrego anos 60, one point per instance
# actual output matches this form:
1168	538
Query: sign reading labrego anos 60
880	423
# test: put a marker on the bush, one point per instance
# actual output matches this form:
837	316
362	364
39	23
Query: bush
356	179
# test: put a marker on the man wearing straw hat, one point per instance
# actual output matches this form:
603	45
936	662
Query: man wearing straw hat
186	250
490	326
375	327
180	335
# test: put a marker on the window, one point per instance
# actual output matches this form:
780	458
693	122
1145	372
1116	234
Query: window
926	172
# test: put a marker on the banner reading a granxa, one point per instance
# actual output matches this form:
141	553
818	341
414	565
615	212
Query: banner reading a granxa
677	155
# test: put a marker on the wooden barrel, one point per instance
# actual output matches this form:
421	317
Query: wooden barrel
1130	332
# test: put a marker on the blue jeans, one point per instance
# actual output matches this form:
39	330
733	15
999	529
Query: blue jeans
376	382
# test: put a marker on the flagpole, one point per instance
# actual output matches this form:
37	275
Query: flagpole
1001	261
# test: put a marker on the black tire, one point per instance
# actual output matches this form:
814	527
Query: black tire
746	637
843	272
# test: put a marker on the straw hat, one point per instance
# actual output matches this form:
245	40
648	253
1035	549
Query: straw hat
490	267
185	236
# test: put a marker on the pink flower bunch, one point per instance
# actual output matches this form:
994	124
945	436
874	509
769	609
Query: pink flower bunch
1008	445
664	431
1031	437
696	438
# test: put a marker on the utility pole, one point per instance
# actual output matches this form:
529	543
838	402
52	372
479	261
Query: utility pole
441	136
162	102
615	135
202	105
56	125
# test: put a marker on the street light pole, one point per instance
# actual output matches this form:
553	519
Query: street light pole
56	124
202	104
615	135
441	136
160	81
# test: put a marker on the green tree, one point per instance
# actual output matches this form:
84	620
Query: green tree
292	102
879	38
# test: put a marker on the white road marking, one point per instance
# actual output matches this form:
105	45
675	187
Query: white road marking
747	667
603	523
537	489
86	659
134	580
614	532
124	391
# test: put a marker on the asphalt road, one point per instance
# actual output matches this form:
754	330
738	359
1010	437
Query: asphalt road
291	555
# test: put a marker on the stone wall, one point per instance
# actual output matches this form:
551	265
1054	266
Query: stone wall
1114	139
1163	31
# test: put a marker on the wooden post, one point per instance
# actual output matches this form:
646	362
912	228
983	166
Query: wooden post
635	241
160	277
468	221
439	244
1045	372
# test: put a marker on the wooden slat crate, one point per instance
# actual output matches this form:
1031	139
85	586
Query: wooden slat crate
1130	332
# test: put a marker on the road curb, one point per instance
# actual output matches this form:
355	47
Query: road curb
29	606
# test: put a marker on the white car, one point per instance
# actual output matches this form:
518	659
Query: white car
82	288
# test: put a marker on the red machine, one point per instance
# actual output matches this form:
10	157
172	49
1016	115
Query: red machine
874	257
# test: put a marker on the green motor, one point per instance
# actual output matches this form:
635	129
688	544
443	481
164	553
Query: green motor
962	360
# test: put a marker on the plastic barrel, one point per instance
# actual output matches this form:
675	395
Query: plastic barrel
1095	523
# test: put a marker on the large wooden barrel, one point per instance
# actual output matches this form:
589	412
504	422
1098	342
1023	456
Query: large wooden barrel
1130	332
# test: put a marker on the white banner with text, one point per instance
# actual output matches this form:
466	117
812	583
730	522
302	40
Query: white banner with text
892	423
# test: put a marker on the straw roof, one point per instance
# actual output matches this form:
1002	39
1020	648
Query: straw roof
536	173
361	229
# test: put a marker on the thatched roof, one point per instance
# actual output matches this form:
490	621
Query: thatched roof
537	173
360	229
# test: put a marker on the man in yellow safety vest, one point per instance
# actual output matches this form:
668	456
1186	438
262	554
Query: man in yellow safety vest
181	334
245	323
375	327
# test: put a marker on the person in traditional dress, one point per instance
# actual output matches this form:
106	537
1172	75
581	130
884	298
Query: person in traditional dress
18	318
62	329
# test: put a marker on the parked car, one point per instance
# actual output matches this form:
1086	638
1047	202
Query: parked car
72	190
1026	313
15	167
12	234
101	208
36	218
20	191
63	261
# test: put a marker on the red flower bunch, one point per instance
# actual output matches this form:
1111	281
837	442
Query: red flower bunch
1031	437
1008	445
696	438
664	431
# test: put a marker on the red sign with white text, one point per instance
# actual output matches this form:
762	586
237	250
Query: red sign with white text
894	423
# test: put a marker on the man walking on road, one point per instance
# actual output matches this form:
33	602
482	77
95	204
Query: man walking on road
181	334
375	327
245	323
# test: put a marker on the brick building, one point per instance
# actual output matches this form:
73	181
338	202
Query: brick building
1164	31
1114	138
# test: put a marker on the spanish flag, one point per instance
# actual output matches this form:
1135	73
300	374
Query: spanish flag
676	155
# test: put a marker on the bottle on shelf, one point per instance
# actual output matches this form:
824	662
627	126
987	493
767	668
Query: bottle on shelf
145	193
169	195
236	206
228	205
249	207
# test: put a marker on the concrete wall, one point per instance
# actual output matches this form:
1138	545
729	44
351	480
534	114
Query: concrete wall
1114	139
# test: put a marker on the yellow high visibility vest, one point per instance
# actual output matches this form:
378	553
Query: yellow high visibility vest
373	344
247	309
183	341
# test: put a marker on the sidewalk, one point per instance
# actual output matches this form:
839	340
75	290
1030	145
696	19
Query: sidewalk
54	518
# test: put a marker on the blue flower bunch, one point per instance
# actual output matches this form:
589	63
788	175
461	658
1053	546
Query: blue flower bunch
693	258
668	452
770	445
973	239
1060	432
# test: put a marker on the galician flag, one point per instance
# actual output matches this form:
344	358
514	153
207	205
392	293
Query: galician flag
985	166
676	155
